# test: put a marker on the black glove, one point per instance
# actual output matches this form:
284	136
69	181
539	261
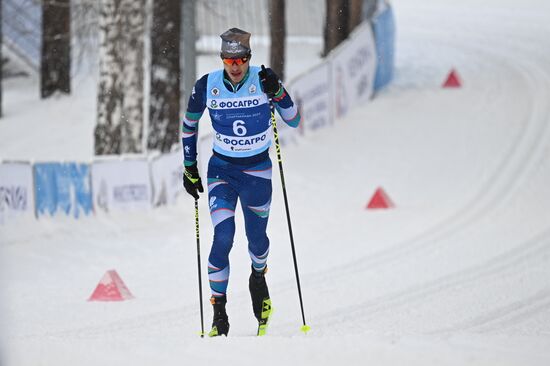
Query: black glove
192	181
269	81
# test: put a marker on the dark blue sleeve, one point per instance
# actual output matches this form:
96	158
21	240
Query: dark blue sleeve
195	109
286	108
197	100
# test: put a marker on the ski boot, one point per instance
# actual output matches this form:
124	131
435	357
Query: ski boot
220	324
261	303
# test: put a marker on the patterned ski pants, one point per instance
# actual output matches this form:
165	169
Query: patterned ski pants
251	185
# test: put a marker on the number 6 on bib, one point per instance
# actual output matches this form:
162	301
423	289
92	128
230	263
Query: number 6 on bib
238	128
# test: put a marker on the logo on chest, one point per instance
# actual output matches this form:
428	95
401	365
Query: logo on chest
236	103
217	116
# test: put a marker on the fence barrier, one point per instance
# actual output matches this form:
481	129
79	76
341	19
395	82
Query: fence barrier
347	77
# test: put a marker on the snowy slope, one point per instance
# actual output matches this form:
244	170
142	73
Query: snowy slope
458	273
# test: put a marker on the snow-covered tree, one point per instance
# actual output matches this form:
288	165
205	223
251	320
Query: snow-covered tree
119	126
164	105
278	36
56	47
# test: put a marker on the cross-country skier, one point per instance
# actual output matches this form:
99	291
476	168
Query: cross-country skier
237	98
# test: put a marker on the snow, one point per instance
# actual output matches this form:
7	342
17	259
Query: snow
458	273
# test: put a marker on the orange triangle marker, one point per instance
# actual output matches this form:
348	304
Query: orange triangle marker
111	288
380	200
453	81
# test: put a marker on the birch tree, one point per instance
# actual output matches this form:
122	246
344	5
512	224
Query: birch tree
278	36
164	104
119	126
56	47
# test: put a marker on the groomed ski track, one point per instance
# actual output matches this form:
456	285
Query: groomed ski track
457	273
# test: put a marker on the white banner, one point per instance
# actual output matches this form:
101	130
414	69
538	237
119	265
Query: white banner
312	94
353	70
167	175
121	184
16	191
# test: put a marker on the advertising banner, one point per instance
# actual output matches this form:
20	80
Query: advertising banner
353	70
384	33
167	175
16	191
62	187
121	185
312	94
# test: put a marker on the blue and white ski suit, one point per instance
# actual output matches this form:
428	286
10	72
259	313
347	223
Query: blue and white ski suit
240	167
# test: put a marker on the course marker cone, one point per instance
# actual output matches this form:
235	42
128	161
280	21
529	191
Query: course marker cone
111	288
380	200
453	80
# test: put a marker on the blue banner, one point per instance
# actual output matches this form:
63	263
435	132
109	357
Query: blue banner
384	34
62	187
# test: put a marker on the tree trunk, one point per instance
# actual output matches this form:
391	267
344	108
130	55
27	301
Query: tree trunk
56	47
336	28
134	52
119	126
165	75
110	91
355	14
278	36
188	62
1	60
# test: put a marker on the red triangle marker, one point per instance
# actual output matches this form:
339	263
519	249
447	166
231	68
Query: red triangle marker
380	200
453	80
111	288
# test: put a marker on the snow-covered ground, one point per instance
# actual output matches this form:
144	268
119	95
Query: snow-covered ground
457	274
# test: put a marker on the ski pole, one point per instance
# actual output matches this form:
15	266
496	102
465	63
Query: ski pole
199	262
305	328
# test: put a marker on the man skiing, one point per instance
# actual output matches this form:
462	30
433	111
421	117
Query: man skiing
238	100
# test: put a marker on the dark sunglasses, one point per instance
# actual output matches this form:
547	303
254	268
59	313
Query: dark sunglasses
238	61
